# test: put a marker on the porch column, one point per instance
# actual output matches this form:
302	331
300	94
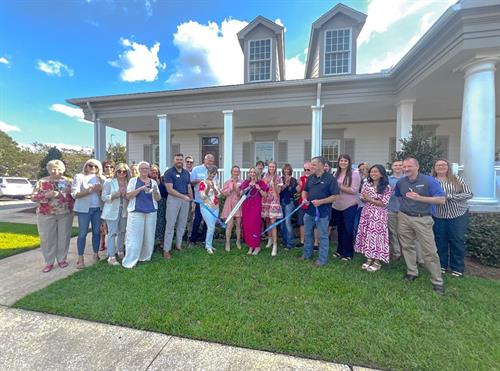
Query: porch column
316	130
99	140
477	148
164	142
404	121
228	143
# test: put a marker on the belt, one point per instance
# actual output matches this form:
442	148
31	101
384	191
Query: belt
415	214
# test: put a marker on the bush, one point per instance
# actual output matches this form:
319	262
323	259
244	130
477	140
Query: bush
483	238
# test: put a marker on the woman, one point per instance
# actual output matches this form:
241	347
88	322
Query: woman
251	211
451	219
161	220
209	193
373	236
287	205
271	207
86	190
54	215
134	171
231	190
142	194
114	211
108	168
345	206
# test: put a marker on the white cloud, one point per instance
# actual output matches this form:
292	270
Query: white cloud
72	112
52	67
380	16
7	128
148	4
4	60
278	21
138	62
208	54
295	67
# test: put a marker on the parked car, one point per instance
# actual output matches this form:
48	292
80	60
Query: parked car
15	187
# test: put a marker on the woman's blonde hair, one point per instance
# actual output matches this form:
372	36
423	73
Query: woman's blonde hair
93	161
450	177
56	163
122	166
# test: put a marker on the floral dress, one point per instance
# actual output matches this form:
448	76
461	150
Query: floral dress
372	239
271	207
62	203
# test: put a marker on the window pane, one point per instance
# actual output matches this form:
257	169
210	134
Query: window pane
264	151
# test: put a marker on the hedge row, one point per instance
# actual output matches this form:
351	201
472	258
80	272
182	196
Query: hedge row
483	238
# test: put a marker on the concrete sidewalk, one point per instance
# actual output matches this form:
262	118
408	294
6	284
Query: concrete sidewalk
38	341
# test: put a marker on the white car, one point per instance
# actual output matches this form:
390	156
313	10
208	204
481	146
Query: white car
15	187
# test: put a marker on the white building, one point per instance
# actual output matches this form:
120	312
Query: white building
446	83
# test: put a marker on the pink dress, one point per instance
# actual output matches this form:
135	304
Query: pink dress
271	207
373	236
251	211
232	198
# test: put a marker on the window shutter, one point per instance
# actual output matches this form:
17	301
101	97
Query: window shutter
349	148
247	160
282	153
147	153
307	150
392	148
443	142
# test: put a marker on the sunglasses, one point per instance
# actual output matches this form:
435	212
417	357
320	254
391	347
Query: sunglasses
307	169
121	171
93	166
189	162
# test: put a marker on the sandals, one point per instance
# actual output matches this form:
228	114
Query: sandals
250	252
256	251
368	263
80	264
374	267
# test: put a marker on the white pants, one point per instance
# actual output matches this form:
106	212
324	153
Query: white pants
140	238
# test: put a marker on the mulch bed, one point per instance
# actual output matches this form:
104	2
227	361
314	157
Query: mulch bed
475	268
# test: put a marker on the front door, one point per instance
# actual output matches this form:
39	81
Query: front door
210	145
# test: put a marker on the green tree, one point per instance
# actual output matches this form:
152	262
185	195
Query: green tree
422	146
52	154
117	152
10	155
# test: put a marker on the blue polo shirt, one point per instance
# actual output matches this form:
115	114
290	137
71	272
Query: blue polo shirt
318	188
424	185
180	180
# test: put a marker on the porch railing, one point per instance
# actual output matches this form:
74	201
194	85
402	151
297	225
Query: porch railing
296	173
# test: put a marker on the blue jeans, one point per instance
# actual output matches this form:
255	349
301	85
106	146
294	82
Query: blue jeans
345	230
195	231
210	222
450	241
324	242
84	219
286	230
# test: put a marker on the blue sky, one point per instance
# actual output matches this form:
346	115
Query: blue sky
52	50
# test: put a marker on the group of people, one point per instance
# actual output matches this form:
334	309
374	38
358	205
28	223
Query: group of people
383	217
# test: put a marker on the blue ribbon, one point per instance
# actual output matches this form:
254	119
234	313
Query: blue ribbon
223	225
282	220
316	218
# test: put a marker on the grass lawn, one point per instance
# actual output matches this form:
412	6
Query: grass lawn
16	238
337	313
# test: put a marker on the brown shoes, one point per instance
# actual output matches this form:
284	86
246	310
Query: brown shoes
167	255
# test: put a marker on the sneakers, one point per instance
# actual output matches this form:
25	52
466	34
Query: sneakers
112	261
456	274
210	251
374	267
439	289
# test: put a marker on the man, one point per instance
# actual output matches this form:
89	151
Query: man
321	190
417	193
302	210
198	174
178	184
393	209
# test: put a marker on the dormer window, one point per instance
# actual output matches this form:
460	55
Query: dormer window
338	51
259	62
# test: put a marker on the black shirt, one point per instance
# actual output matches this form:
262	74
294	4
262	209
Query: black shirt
180	180
318	188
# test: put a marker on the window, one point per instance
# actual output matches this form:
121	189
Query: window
264	151
330	150
337	52
259	65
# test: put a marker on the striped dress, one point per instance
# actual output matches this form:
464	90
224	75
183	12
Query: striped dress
372	239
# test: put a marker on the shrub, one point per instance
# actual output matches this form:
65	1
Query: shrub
483	238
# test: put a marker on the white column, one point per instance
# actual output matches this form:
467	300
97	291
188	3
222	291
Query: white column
228	143
477	149
164	142
404	121
99	140
316	130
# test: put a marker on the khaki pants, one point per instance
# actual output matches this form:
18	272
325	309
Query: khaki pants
414	228
55	234
394	245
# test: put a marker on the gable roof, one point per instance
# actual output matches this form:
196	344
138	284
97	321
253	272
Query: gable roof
340	8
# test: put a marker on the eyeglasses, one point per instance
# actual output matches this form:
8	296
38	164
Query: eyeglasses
92	165
121	171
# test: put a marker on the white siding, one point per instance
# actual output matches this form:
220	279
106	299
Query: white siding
136	143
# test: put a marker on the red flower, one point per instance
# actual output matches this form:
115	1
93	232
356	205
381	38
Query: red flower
45	209
47	186
202	186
